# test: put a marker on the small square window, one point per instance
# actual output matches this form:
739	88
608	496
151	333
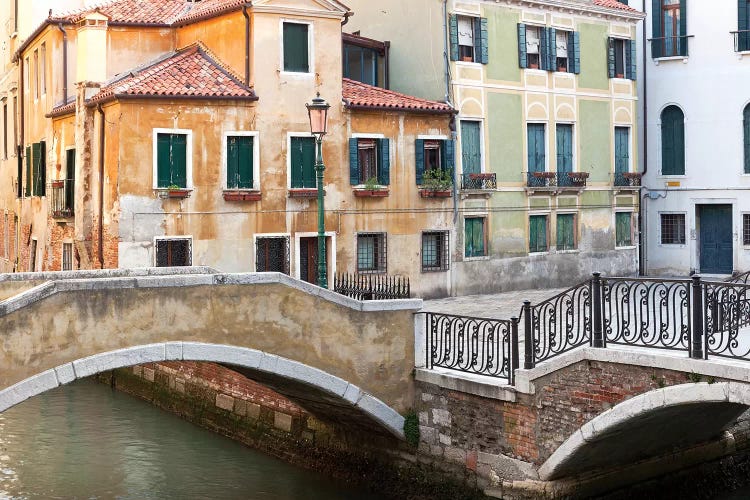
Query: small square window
566	232
371	253
538	241
173	252
474	237
623	229
435	254
746	229
296	51
673	229
272	254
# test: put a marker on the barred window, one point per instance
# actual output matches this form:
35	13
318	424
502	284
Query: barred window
746	229
174	252
371	253
435	253
67	256
673	229
272	254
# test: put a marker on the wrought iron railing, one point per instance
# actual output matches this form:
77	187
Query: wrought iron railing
556	179
743	278
669	46
741	40
479	181
61	195
727	310
372	286
480	346
627	179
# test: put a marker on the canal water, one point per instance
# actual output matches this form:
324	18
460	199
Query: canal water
85	440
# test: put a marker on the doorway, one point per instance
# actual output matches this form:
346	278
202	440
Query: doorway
716	248
308	259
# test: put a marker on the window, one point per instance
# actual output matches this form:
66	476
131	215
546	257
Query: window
172	156
672	229
6	237
296	51
5	130
36	74
434	154
302	162
566	231
743	25
549	49
371	253
564	152
533	46
435	253
537	161
469	39
622	58
745	230
623	229
39	168
361	64
471	147
474	237
746	135
669	28
42	68
619	46
538	233
67	257
369	159
173	252
561	51
272	254
622	150
32	255
240	162
27	157
27	74
672	141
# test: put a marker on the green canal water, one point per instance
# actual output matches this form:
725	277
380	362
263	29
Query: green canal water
86	441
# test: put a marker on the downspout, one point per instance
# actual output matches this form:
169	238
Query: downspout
101	186
387	64
19	155
65	63
346	19
642	227
247	43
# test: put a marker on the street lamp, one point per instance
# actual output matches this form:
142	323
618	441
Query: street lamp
317	111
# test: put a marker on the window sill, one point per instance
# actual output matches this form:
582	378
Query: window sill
371	193
298	74
659	60
572	250
628	247
304	192
242	195
436	270
476	258
469	63
164	193
371	271
435	193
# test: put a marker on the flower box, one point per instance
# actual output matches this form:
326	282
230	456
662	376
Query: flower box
249	195
484	176
435	193
304	193
632	175
58	184
578	178
173	193
544	175
371	193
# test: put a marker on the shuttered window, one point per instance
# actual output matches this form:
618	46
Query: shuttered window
622	150
743	25
746	137
564	149
434	153
39	169
171	154
672	141
369	159
302	162
296	52
537	161
28	158
550	49
669	28
538	233
474	237
469	40
623	229
566	231
471	147
239	162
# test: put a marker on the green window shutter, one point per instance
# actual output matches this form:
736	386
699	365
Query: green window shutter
36	157
245	162
552	49
622	149
673	141
743	17
574	52
474	237
384	162
623	234
481	40
449	156
746	123
295	48
419	159
565	232
354	162
611	57
656	44
42	169
564	148
471	156
683	42
163	161
523	60
538	233
28	171
453	33
179	160
536	148
631	58
544	49
233	180
302	162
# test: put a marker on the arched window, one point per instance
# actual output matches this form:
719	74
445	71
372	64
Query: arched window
746	128
672	141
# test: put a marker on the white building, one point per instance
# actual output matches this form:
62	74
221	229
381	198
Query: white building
696	122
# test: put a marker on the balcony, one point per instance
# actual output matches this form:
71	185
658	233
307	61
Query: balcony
669	46
61	195
625	180
556	181
741	40
481	182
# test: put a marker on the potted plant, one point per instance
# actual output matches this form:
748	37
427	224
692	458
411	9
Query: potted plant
371	188
175	191
633	178
578	178
436	183
57	183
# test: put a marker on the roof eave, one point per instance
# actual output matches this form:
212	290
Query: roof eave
400	109
122	97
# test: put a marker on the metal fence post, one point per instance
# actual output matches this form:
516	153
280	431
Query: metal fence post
528	337
513	350
596	304
696	347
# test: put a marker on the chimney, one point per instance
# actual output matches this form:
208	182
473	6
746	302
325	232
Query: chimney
91	64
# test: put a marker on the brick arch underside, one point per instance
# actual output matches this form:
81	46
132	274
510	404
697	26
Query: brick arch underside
319	392
648	426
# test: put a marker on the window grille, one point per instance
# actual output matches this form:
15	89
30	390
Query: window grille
371	253
67	257
746	229
435	251
173	252
673	229
272	254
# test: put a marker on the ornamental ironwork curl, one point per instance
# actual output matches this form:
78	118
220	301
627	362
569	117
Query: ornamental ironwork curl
473	345
562	322
727	319
647	313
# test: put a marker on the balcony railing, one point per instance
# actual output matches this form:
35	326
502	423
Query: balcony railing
741	40
627	179
479	181
573	180
669	46
61	194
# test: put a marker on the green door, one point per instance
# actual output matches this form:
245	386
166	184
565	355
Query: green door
471	156
622	150
716	239
564	154
672	141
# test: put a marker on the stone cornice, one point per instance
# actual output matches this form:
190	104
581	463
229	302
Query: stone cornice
574	7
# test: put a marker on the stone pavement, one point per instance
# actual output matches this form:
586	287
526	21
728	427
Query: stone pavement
495	306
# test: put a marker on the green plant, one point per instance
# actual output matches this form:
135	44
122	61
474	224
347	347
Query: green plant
436	179
173	187
694	377
371	184
411	428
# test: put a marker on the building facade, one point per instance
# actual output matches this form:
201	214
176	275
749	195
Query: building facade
697	125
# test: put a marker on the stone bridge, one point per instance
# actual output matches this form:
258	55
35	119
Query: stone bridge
350	362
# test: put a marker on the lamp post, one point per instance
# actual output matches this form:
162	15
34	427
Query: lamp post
317	111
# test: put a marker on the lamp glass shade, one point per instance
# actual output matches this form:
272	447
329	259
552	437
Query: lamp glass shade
318	113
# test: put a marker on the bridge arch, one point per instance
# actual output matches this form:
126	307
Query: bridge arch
303	384
654	422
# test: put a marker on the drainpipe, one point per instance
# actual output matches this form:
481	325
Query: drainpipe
387	64
346	19
247	43
101	186
19	155
642	227
65	62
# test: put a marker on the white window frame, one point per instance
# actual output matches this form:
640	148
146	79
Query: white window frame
256	157
459	149
66	241
188	156
475	215
559	32
330	252
687	232
376	137
548	214
632	228
289	136
546	144
176	237
574	145
628	126
624	58
310	48
742	229
254	252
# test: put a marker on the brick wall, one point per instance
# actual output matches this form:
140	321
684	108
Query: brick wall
57	234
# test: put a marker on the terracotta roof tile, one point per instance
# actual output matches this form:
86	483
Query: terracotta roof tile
190	72
614	4
363	96
135	11
209	8
62	109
